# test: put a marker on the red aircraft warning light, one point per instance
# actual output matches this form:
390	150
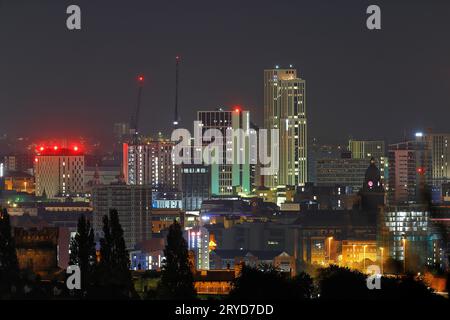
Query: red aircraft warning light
237	108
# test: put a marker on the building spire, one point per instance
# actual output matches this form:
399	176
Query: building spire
177	69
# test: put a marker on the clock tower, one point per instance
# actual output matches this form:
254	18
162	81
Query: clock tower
372	193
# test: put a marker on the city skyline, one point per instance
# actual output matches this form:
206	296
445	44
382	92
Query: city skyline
218	152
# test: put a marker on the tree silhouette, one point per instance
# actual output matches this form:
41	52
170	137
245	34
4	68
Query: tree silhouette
177	281
303	286
405	288
268	283
393	266
336	283
341	283
9	267
113	276
447	284
83	254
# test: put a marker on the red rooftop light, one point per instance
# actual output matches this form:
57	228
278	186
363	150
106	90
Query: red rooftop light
55	148
75	148
41	148
237	108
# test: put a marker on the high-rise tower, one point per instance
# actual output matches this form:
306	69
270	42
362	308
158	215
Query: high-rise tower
59	171
285	110
227	179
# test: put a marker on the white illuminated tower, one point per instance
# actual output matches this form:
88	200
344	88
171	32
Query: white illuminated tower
150	163
135	164
438	145
198	242
285	110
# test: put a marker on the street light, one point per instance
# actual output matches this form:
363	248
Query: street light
329	249
382	256
404	254
364	257
354	256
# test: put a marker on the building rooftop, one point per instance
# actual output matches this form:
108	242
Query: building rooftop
214	275
260	254
18	174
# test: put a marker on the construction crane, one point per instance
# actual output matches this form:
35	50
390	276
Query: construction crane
177	71
134	123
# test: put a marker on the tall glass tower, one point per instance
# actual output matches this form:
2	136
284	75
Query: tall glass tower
285	110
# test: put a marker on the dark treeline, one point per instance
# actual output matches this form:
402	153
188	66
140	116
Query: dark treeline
330	283
107	275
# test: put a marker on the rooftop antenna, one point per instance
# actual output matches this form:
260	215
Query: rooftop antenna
177	71
135	119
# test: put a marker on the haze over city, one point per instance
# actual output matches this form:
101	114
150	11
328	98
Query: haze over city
315	167
56	83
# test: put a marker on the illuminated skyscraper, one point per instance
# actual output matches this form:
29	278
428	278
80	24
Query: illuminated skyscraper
2	173
366	149
135	164
285	109
198	242
409	171
150	163
439	148
228	178
407	233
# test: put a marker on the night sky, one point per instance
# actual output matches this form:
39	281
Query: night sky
368	84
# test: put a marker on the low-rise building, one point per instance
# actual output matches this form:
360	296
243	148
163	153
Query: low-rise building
163	218
226	259
341	171
19	182
37	249
359	254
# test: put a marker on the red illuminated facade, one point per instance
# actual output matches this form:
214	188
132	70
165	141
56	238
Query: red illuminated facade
58	150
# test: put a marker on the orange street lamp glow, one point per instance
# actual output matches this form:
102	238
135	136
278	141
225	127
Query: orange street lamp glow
382	256
329	249
364	257
404	255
